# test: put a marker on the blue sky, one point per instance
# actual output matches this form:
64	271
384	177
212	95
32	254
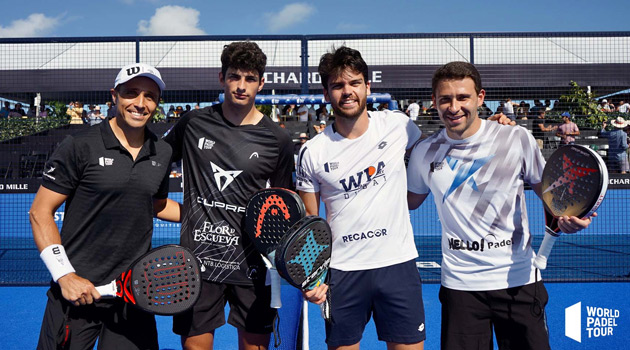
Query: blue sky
73	18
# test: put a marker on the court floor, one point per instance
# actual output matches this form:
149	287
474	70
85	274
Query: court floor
23	308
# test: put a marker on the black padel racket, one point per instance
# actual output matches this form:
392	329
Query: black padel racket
574	183
304	256
304	253
270	213
164	281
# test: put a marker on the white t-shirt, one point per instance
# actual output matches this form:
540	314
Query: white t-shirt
363	185
478	187
303	113
414	111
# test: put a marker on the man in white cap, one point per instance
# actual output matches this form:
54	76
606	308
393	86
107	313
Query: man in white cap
617	146
113	177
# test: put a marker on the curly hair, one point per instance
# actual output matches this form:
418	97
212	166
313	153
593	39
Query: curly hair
244	55
335	62
457	71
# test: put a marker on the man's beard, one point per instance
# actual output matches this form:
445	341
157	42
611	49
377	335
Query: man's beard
343	114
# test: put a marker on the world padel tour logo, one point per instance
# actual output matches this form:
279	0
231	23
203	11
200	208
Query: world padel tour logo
600	322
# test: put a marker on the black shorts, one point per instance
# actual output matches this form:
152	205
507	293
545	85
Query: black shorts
249	309
517	315
393	294
116	325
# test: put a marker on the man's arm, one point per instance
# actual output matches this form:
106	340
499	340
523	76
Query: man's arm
414	200
75	289
167	210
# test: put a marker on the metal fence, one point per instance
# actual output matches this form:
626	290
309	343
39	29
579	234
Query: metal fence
533	70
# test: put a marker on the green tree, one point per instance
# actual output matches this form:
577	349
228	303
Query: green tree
582	105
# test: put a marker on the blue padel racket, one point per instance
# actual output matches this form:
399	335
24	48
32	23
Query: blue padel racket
269	214
164	281
574	183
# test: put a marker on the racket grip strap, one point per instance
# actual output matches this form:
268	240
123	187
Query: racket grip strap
545	249
56	261
108	290
276	300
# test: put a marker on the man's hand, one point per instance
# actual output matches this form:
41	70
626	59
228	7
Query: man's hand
502	119
77	290
574	224
316	295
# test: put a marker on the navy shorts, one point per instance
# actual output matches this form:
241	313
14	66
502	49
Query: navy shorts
517	314
392	294
249	309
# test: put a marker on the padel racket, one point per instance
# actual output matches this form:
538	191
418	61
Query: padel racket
574	183
304	256
269	214
164	281
304	253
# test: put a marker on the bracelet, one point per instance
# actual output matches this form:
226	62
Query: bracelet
56	260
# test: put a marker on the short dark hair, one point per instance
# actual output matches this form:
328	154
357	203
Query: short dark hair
244	55
335	62
456	71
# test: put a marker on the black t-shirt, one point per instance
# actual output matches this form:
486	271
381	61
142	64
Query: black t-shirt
538	134
223	166
108	221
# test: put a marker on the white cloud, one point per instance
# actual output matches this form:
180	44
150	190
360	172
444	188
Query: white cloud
290	15
172	20
37	24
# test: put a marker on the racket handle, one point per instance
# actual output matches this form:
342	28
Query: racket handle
276	300
545	249
108	290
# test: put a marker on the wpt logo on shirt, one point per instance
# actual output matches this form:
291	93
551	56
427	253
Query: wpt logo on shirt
600	322
205	143
102	161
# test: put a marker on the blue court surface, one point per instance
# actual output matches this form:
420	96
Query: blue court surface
23	308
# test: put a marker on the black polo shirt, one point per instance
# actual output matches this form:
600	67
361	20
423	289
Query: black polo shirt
223	165
108	219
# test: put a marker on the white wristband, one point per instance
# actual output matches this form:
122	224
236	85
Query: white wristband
56	260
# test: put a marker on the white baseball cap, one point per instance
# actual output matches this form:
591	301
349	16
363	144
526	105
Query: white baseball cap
135	70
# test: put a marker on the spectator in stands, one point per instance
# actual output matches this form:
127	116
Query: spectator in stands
322	112
4	112
522	112
432	112
508	108
111	109
289	112
624	107
617	146
18	109
179	111
312	115
75	111
604	106
413	110
302	113
108	222
188	109
535	111
567	130
484	111
540	128
96	117
547	105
